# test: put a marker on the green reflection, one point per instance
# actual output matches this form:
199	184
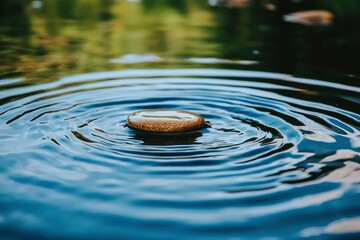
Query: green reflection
74	36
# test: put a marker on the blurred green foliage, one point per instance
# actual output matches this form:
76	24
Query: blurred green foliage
55	38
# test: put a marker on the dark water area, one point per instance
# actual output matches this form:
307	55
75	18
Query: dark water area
279	157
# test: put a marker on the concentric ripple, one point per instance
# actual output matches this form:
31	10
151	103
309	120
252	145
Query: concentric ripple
278	152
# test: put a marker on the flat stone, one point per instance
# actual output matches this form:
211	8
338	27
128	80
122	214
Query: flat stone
311	17
165	121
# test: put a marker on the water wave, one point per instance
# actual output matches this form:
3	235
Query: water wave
278	152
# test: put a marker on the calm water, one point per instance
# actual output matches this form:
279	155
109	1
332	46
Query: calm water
279	158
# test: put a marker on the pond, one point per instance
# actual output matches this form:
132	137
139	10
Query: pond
279	157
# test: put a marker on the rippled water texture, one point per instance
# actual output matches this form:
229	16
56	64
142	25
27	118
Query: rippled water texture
279	158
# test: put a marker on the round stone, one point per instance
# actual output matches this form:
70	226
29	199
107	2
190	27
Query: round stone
165	121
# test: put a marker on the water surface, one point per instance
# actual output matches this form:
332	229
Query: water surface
279	158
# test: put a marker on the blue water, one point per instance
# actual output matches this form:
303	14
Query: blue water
279	158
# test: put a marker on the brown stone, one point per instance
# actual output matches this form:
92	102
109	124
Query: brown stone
165	121
311	17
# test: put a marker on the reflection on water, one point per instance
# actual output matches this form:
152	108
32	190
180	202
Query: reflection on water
62	37
279	158
276	154
136	58
170	139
